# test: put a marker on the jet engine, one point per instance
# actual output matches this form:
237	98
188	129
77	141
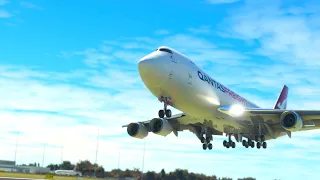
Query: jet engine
160	127
291	121
137	130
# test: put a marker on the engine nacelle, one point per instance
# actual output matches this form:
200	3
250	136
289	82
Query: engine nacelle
160	127
137	130
291	121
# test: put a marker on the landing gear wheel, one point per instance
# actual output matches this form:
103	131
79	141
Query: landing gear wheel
225	143
244	142
264	145
258	145
168	113
161	113
252	144
204	146
210	146
233	144
202	139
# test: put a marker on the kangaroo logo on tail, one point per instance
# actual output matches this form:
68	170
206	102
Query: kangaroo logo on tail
282	99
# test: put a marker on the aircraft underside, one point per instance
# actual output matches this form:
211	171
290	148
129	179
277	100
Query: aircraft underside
256	132
256	136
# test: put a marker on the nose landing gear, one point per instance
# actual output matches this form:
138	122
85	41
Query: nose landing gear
165	112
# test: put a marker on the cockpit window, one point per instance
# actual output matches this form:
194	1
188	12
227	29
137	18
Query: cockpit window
165	50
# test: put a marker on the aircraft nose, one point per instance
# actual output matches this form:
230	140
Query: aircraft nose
152	71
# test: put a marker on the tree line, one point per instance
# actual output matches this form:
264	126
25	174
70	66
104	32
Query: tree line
94	170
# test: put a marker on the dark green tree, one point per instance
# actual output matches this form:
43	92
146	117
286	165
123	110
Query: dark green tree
181	174
149	175
192	176
32	164
86	168
162	173
66	165
51	167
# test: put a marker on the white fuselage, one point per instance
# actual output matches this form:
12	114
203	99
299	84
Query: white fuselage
191	90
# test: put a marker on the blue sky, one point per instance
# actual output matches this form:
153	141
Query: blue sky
68	68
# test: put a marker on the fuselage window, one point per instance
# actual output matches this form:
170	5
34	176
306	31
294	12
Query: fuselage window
165	50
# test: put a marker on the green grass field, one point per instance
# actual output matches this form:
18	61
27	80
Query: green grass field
36	176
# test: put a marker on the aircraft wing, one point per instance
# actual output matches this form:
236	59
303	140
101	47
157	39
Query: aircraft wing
172	119
272	113
181	122
271	118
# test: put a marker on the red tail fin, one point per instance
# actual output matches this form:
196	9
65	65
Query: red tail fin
282	99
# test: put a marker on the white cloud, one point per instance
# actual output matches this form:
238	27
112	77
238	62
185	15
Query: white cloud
131	57
192	43
133	45
60	115
162	32
200	30
30	5
112	79
295	38
5	14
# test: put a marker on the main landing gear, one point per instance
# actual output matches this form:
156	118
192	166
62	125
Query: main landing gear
260	144
248	143
229	143
206	142
262	138
165	112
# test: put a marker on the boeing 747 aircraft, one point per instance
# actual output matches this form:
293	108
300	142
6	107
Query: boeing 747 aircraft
210	108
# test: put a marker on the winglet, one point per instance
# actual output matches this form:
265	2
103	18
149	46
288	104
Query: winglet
282	99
